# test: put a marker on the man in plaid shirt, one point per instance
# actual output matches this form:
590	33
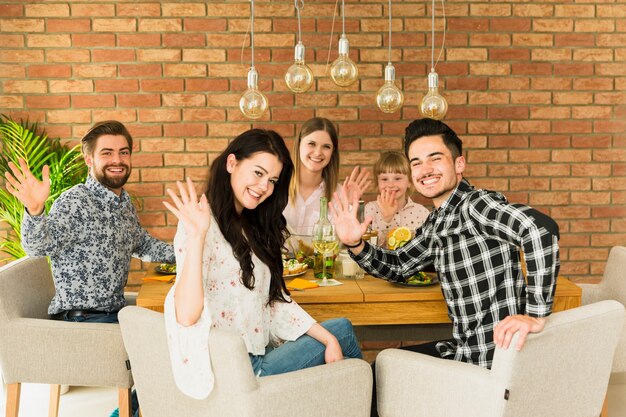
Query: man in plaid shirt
473	238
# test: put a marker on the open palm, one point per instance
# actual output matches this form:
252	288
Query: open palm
195	214
27	188
344	211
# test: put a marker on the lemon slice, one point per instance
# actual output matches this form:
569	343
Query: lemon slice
402	234
391	242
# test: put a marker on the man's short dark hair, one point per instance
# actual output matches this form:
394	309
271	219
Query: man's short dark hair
430	127
107	127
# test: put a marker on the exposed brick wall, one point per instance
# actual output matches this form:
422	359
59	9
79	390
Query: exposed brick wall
537	90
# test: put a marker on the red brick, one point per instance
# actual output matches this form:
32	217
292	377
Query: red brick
139	9
68	25
161	85
48	102
591	198
530	184
204	25
186	130
159	115
13	10
117	85
113	55
11	102
123	115
47	10
571	126
205	145
92	9
93	101
91	40
508	170
550	170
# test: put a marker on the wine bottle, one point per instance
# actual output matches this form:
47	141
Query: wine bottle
324	243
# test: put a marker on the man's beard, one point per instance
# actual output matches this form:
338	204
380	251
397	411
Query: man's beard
112	182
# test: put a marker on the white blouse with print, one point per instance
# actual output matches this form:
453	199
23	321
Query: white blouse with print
228	304
412	215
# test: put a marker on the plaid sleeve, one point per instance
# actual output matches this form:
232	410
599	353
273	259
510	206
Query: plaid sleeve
536	233
395	265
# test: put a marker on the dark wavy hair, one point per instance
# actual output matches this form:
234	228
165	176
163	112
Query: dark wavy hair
430	127
261	231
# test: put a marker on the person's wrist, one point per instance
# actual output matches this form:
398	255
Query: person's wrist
35	210
352	246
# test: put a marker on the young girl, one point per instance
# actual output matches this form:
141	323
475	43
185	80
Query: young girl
316	174
393	207
228	253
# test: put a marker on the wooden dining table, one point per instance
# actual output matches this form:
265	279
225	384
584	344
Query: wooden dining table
367	301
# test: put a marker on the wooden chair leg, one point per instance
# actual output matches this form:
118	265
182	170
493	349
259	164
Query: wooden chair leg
13	399
605	407
55	396
124	401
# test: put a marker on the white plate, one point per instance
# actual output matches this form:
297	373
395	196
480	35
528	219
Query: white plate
295	275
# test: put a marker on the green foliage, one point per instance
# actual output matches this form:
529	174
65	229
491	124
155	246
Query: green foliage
26	141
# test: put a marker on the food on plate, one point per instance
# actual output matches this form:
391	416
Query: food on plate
293	266
168	268
418	279
398	237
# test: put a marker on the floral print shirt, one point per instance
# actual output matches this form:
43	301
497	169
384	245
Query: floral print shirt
90	235
229	305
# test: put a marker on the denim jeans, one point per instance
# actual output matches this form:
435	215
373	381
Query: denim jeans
305	352
93	318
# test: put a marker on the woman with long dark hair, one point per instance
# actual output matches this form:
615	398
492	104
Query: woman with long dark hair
228	253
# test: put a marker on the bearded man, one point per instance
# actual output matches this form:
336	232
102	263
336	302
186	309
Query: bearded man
91	231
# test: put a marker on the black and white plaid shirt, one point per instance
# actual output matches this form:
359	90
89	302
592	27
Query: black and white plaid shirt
473	240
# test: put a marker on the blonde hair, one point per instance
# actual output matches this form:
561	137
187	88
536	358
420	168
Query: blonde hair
330	174
393	162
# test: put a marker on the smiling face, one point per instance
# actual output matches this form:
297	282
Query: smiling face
110	162
316	150
253	179
395	182
434	171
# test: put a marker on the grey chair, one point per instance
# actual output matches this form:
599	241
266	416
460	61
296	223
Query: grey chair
341	389
561	372
34	349
612	287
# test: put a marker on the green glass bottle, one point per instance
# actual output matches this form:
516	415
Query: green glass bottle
325	244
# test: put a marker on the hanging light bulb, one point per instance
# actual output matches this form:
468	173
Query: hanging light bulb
389	97
299	77
343	71
253	102
433	104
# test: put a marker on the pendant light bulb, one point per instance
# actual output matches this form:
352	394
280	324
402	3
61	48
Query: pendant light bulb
253	102
433	104
299	77
343	71
389	97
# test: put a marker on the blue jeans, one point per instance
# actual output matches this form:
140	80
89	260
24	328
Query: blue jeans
305	352
94	318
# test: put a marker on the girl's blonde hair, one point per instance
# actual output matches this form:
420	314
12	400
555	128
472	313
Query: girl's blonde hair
393	162
330	174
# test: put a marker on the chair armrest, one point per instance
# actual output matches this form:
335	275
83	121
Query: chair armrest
411	384
89	354
592	293
342	388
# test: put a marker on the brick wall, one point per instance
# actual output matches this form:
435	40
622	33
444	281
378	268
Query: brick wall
537	90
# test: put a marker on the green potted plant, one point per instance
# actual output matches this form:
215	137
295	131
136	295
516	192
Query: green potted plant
25	140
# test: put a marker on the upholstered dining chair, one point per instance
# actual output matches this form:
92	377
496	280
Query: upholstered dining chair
562	371
612	287
342	388
34	349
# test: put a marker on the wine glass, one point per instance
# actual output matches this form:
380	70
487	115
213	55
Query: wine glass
325	244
